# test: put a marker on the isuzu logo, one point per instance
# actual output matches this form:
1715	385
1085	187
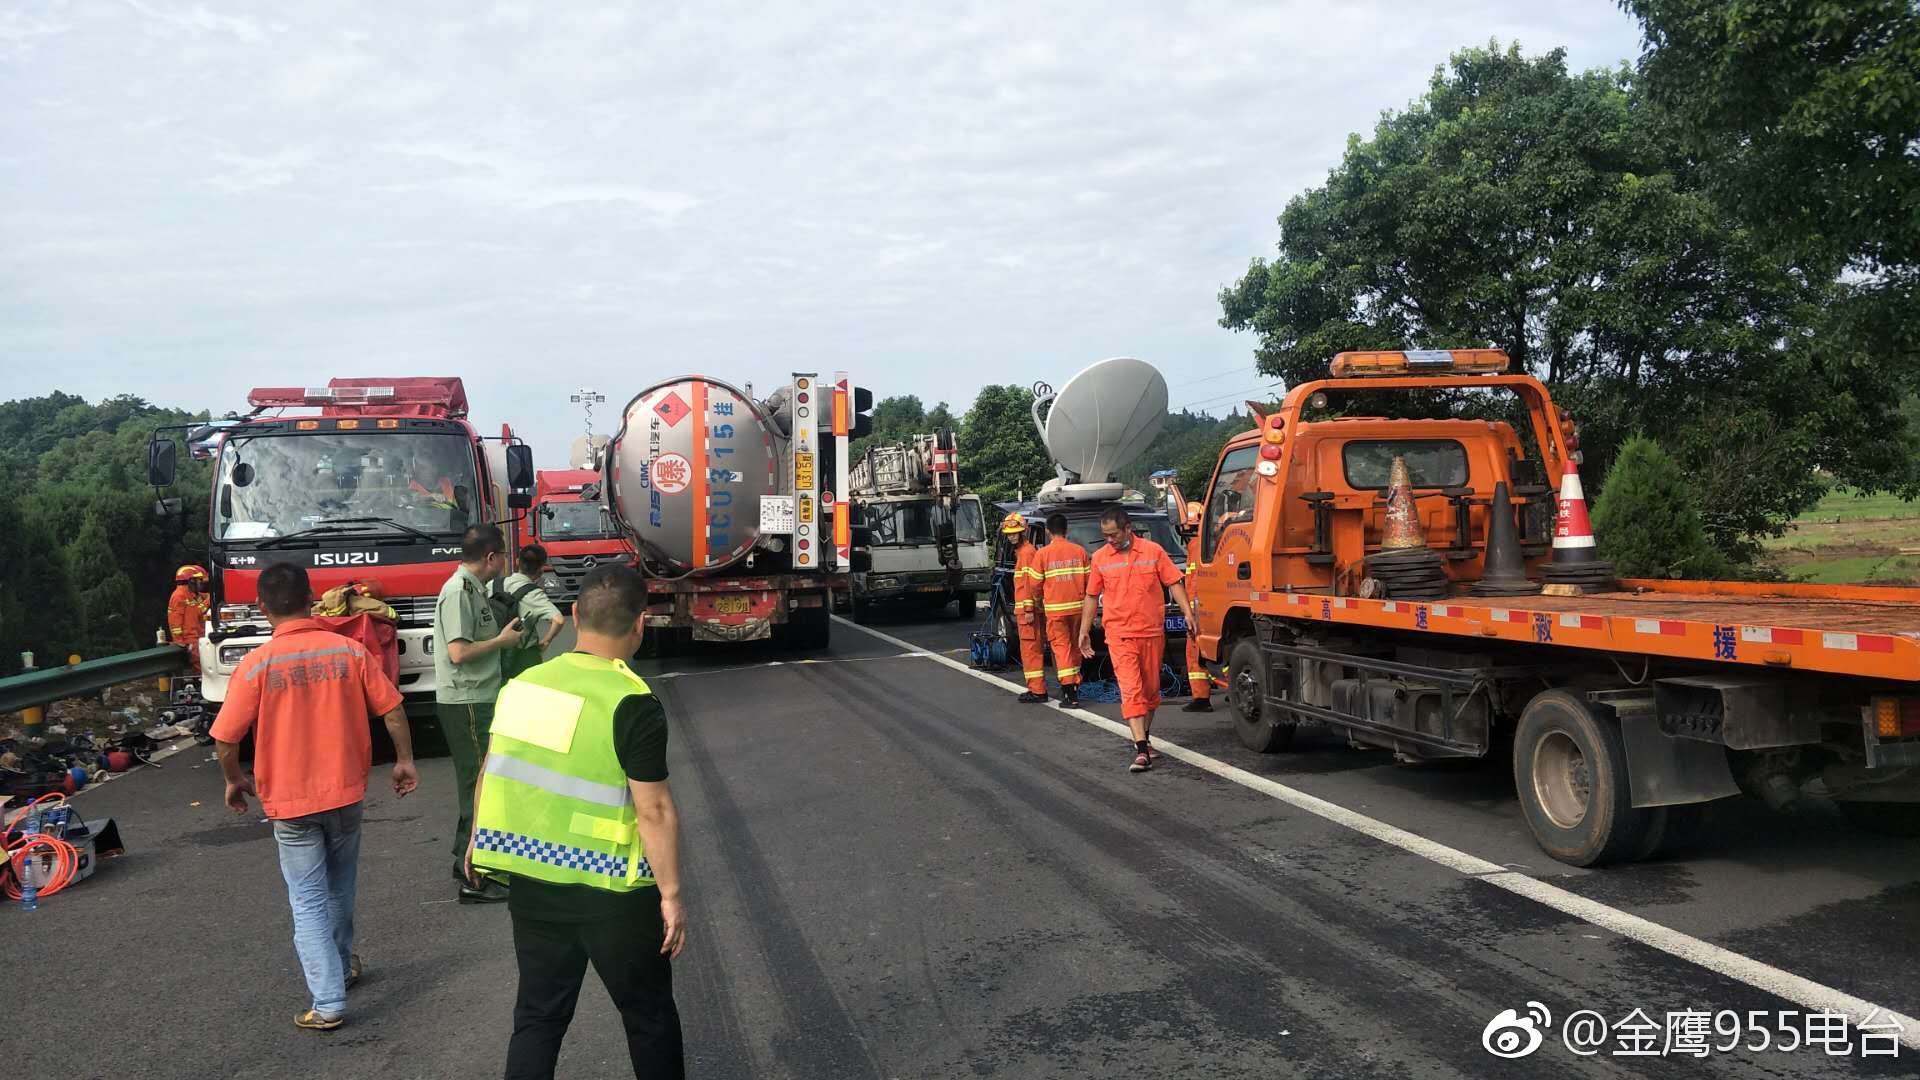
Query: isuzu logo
345	558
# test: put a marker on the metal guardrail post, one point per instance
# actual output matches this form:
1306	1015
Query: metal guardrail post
33	689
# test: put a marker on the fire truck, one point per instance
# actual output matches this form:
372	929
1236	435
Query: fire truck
361	480
1624	705
738	507
926	538
570	520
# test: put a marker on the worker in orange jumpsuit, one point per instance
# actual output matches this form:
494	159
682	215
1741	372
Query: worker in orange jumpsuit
187	611
1063	571
1027	582
1128	585
1198	681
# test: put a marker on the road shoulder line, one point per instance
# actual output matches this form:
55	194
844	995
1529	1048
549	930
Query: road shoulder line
1744	969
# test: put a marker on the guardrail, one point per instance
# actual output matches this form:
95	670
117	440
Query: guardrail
77	680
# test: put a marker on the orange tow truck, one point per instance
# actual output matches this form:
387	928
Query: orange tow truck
1626	705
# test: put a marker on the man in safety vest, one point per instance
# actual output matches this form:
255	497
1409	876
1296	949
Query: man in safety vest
187	611
1027	583
573	803
1063	571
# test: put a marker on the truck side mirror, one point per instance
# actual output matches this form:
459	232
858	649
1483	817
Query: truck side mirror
161	463
519	470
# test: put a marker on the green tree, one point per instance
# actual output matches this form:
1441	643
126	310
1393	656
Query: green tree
999	449
1646	519
50	622
941	418
1559	217
1807	114
106	594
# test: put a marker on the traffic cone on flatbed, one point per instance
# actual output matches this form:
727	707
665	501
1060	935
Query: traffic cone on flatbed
1404	568
1575	561
1504	571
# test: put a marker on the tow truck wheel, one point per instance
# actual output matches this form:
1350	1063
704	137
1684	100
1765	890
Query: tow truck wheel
1570	768
1247	696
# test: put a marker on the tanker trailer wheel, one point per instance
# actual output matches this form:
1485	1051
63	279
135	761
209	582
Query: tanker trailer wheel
1246	696
1570	769
811	629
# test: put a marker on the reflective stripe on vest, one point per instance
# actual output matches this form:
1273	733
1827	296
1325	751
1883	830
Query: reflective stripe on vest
554	803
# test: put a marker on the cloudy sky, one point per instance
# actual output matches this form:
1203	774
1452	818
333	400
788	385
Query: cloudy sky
198	197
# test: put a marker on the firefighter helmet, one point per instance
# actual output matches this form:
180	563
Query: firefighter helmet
1013	524
189	573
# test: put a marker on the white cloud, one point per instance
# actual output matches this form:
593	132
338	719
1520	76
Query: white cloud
602	194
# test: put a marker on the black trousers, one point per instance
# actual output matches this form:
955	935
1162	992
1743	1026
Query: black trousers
626	954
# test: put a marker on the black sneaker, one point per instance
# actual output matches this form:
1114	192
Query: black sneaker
1070	697
1031	698
489	892
1198	704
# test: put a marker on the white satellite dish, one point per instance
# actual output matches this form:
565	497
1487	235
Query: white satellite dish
1104	419
585	452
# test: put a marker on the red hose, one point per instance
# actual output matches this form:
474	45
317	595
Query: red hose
66	857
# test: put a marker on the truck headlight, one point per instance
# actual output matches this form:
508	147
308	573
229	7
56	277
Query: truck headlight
878	584
239	613
233	654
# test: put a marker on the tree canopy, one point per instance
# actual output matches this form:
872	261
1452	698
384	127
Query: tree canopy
1001	455
1560	217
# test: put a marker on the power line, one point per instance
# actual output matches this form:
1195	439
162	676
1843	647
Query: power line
1241	370
1216	402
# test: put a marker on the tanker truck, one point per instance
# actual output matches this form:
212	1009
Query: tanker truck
737	509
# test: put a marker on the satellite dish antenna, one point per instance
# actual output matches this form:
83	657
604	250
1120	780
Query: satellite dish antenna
1101	422
585	452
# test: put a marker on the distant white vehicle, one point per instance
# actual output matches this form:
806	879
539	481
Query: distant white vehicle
926	539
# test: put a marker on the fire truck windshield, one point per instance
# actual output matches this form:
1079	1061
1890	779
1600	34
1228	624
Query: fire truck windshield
572	521
274	485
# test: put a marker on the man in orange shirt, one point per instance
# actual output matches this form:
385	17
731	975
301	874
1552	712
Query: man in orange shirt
1129	583
1063	570
1027	582
187	611
307	696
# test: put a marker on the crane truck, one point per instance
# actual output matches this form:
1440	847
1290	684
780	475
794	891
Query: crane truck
1624	705
738	509
361	480
926	538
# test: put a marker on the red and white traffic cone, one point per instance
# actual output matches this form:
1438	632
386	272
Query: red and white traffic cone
1575	559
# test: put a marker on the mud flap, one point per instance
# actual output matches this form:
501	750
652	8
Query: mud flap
1664	771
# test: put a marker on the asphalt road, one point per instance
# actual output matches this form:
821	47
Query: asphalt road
897	871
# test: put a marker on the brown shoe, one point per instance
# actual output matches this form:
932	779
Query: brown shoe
354	969
313	1021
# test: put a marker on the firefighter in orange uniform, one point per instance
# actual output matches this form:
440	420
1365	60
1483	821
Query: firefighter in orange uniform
1063	570
1197	678
187	611
1027	583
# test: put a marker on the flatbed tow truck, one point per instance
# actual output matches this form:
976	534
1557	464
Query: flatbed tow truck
1625	709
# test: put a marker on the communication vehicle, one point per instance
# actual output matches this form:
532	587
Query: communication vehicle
738	508
1624	705
926	538
361	480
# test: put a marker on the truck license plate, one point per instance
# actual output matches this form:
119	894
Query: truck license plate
803	471
732	605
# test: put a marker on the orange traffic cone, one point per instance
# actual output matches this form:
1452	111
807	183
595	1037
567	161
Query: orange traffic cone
1403	520
1405	567
1575	560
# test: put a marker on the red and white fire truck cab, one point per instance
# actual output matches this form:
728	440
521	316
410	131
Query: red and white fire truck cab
362	480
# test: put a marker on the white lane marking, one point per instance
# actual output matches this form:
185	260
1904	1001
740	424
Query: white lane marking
1761	976
913	655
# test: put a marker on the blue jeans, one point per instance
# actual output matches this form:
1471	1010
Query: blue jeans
320	858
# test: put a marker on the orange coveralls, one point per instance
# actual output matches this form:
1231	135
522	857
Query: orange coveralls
1027	583
1198	680
1063	569
1132	586
187	621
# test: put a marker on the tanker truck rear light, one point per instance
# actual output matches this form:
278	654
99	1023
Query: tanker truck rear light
1350	365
